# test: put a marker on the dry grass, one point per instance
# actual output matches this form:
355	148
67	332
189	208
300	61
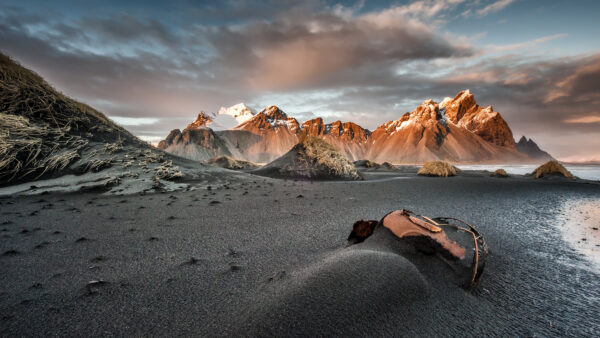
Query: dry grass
41	130
551	168
111	148
98	165
153	156
33	150
499	173
167	173
437	168
26	94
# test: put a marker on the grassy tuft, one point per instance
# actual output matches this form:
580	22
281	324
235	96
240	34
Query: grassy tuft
437	168
499	173
551	168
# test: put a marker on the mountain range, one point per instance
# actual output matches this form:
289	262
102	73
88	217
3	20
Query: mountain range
457	130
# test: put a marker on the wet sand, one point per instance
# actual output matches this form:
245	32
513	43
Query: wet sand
221	261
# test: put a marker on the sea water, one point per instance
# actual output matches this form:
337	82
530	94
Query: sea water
584	171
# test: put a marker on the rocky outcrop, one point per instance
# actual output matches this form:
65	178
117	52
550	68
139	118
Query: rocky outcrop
367	165
527	146
314	159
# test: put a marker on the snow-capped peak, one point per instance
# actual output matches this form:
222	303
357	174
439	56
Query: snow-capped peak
239	111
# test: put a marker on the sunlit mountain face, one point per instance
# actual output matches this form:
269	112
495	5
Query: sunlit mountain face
153	66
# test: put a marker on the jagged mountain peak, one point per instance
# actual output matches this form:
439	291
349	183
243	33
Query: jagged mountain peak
529	147
274	113
203	120
462	104
488	124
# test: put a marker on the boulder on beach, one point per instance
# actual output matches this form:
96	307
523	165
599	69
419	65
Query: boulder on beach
552	169
367	164
499	173
388	166
314	159
228	162
438	168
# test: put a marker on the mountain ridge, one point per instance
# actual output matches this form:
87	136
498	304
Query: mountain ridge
457	130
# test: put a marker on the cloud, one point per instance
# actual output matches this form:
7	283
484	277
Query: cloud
521	45
580	86
312	59
585	119
494	7
294	52
133	121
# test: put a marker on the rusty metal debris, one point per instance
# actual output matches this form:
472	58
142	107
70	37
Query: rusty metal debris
407	224
480	251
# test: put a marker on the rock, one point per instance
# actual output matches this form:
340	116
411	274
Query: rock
366	164
370	165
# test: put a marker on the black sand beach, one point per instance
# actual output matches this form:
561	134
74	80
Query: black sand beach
261	256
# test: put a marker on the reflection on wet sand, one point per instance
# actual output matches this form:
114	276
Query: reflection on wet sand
580	225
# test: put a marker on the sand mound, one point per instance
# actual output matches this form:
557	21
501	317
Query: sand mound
311	158
41	130
232	163
45	135
551	168
499	173
438	168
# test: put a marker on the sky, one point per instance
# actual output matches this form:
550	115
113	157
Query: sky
153	65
